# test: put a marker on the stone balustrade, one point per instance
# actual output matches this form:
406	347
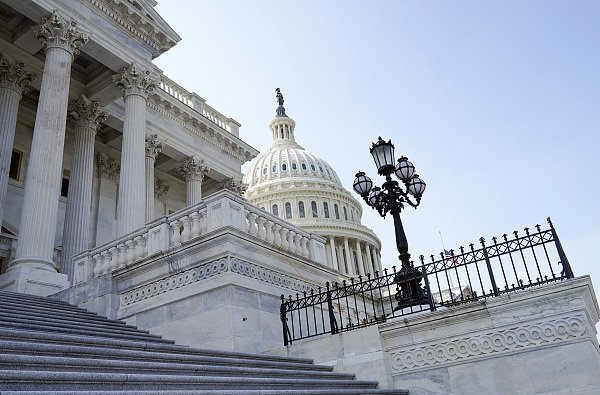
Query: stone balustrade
216	212
194	101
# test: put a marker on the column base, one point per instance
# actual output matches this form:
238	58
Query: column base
33	281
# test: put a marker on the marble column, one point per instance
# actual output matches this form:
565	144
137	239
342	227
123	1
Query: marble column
359	257
193	170
378	260
349	261
109	171
153	148
44	171
14	81
136	85
334	261
87	115
370	260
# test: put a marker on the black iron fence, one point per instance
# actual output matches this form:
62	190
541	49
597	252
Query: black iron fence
507	264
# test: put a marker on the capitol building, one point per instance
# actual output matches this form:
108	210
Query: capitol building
292	183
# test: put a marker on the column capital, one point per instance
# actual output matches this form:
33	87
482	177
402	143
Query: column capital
233	185
108	167
13	75
87	113
134	81
153	146
161	189
56	32
193	169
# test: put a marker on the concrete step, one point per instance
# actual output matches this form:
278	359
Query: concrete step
345	391
31	300
180	354
62	318
12	361
80	330
71	315
41	380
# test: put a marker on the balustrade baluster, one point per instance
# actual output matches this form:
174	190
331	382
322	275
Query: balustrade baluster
140	247
298	247
284	241
121	257
277	235
130	246
291	245
186	233
195	225
113	262
176	233
252	229
269	231
304	244
97	259
260	222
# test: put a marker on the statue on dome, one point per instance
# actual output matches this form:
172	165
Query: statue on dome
279	97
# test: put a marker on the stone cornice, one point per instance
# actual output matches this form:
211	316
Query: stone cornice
162	104
159	37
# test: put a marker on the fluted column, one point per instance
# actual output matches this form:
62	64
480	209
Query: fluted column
378	260
14	81
361	265
160	193
87	116
349	261
44	172
193	170
369	260
334	261
153	148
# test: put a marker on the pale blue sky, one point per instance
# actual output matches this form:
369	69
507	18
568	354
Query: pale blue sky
496	103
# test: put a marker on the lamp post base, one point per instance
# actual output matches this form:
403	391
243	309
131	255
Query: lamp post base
411	293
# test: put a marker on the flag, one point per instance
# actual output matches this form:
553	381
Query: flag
449	255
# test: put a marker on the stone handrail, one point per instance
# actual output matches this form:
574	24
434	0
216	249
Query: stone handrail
219	210
197	103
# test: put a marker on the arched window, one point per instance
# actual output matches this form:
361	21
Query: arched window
275	210
288	210
345	214
294	166
265	170
301	209
312	167
321	168
283	167
326	209
313	208
336	211
304	166
274	168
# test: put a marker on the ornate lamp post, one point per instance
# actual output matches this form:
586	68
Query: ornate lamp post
390	198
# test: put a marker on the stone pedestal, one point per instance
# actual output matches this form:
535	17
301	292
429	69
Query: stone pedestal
87	116
193	170
153	148
44	171
14	79
136	85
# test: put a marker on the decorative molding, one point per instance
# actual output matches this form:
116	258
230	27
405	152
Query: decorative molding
56	32
153	146
161	189
492	343
143	28
193	169
13	75
134	81
87	113
108	167
208	270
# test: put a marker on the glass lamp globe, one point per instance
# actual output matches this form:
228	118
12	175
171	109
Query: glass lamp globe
405	170
416	186
374	196
383	155
362	184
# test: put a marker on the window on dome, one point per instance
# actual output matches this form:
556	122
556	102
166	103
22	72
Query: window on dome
321	168
304	166
313	208
294	166
274	168
328	172
345	214
326	209
265	170
312	167
288	210
275	210
336	211
301	209
283	167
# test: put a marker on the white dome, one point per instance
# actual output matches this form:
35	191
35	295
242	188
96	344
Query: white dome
298	186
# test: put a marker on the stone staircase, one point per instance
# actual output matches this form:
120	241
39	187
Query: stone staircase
51	347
